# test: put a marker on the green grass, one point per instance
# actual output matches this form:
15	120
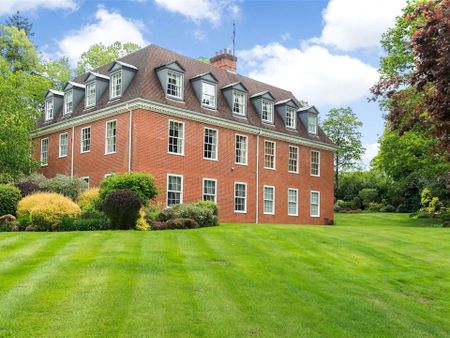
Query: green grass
370	275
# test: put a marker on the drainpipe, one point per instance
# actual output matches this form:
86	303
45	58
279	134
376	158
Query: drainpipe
257	176
71	151
130	129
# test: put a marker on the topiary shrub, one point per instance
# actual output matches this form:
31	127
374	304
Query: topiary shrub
9	197
46	210
142	184
89	198
122	208
67	186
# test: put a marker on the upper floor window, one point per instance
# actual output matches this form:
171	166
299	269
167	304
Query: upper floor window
315	204
312	124
174	189
49	109
86	139
269	200
90	95
111	137
293	160
208	95
44	152
315	163
68	102
209	189
241	154
210	144
174	85
116	85
290	118
176	137
238	103
267	111
63	144
269	154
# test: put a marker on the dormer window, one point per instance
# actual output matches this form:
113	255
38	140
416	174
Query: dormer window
312	124
267	111
68	102
116	85
208	95
238	103
49	109
90	94
174	84
290	118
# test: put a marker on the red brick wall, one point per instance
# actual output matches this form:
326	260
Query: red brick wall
150	154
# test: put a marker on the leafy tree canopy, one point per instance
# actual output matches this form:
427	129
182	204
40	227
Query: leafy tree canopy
21	23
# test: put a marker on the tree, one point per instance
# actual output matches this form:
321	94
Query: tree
21	23
342	125
99	55
22	90
58	71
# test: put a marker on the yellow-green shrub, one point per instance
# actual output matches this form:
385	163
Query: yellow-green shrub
90	197
46	210
141	223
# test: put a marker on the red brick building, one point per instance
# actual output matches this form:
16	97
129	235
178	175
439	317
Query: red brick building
203	132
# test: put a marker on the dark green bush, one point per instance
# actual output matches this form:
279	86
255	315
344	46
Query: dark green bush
122	208
367	196
27	188
9	197
142	184
176	223
356	203
203	215
90	211
68	186
387	208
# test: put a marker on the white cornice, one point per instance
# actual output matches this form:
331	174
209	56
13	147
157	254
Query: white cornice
181	113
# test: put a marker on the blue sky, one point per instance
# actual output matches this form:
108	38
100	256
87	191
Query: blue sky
326	52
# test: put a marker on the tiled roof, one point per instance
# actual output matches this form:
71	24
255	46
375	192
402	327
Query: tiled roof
146	85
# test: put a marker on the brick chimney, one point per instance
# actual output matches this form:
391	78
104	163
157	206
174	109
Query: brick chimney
224	60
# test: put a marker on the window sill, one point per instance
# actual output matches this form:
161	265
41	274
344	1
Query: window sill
111	153
211	159
294	172
240	212
274	169
44	165
62	156
293	215
314	216
240	116
177	154
85	152
269	213
174	98
314	175
243	164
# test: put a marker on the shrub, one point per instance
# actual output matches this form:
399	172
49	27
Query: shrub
9	197
203	215
88	224
210	205
122	208
38	179
27	188
142	223
90	212
375	207
387	208
46	210
356	203
444	215
367	196
142	184
89	197
177	223
67	186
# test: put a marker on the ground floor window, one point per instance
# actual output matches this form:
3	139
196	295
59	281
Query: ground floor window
209	189
292	202
86	179
174	189
269	200
315	203
240	197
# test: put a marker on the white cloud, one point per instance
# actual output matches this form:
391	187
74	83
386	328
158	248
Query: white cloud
198	10
353	24
371	151
199	35
11	6
108	28
312	72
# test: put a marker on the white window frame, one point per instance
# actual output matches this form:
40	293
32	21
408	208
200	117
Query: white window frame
89	104
246	149
244	100
296	202
108	175
297	160
181	85
86	179
44	164
113	86
311	204
315	125
183	137
214	96
215	189
66	101
274	155
49	102
60	154
269	111
293	118
81	140
245	198
107	138
311	163
216	144
167	189
265	199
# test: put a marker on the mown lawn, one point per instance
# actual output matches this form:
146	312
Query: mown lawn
370	275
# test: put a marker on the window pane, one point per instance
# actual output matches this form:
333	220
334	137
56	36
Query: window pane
240	196
86	139
269	155
292	202
267	111
293	159
208	95
269	197
111	131
238	103
174	189
241	149
176	137
174	84
209	190
210	144
315	163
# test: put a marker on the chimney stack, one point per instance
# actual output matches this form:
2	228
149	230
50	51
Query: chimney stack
224	60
